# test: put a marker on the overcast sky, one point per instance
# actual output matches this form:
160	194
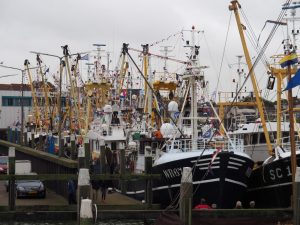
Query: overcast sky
44	26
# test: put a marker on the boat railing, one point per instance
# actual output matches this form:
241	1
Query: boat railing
185	145
286	144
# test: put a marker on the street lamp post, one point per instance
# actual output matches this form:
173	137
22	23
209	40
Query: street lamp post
22	97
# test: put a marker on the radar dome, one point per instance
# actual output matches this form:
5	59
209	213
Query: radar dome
173	106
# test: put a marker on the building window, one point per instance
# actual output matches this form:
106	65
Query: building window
16	101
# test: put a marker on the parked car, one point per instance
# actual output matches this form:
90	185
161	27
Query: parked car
30	188
3	164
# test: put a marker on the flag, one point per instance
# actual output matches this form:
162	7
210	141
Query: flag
288	60
47	70
85	57
295	81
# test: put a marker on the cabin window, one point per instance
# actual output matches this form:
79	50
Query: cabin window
254	138
15	101
262	138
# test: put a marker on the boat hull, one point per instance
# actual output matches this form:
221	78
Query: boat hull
223	184
270	185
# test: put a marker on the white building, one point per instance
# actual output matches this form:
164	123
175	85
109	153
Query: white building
10	105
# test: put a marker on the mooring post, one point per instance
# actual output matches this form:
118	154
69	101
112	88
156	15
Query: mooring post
11	182
296	199
83	188
32	138
73	146
87	152
186	194
122	169
148	170
86	212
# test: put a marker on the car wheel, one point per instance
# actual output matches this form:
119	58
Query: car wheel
43	195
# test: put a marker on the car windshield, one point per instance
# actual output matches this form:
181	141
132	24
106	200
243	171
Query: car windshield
3	160
27	181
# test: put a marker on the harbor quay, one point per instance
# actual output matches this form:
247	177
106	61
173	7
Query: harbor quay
55	207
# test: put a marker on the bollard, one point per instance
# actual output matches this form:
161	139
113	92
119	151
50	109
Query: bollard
73	146
83	188
296	199
86	213
148	170
11	182
186	194
87	152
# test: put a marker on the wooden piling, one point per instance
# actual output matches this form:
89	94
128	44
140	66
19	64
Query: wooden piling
186	194
296	199
148	170
11	182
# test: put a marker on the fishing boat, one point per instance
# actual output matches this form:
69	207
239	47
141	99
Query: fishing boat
220	167
270	184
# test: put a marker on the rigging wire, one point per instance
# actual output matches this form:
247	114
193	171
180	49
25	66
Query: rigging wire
228	27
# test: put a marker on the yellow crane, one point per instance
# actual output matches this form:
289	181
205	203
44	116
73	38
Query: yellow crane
35	103
235	8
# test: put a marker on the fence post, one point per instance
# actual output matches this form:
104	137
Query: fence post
87	152
186	193
25	139
11	182
32	138
148	170
81	158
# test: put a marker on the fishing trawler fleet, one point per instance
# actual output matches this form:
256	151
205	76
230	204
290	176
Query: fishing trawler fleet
139	111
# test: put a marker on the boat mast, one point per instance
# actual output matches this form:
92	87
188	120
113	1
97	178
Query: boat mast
235	6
